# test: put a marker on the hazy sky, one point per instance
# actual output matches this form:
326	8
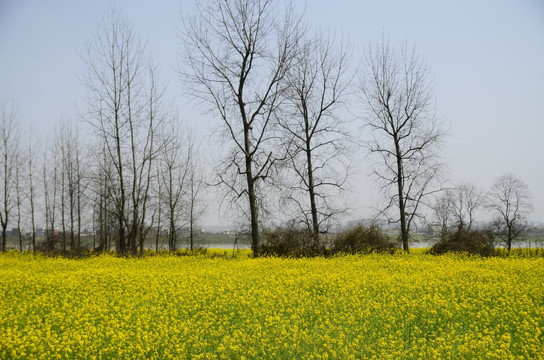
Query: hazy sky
486	57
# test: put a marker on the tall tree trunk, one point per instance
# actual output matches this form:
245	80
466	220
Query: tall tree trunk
252	197
32	213
5	216
255	243
4	237
18	195
78	209
191	212
158	223
311	189
62	211
402	206
121	202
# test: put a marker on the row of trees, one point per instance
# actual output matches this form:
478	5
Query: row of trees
508	200
279	90
134	171
276	89
268	76
67	185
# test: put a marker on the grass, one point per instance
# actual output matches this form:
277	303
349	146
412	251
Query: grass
399	306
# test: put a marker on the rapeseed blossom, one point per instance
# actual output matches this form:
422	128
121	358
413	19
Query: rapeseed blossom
350	307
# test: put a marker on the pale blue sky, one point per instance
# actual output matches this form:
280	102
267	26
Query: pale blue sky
487	59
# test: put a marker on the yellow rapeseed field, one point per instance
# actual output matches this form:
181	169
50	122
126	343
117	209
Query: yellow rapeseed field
195	307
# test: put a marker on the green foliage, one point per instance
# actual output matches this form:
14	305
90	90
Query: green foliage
289	241
363	239
469	241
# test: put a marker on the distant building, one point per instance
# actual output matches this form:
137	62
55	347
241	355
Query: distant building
230	233
161	229
185	230
16	231
88	232
434	228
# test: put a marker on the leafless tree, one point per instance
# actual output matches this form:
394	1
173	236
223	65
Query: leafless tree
50	178
173	178
73	183
442	209
312	128
510	201
105	221
238	53
61	146
19	196
195	186
155	120
465	199
9	150
406	135
124	109
31	156
159	209
457	206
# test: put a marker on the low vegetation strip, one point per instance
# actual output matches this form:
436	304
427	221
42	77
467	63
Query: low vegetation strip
401	306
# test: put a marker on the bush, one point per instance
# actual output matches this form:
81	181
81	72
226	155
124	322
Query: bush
470	241
363	239
289	241
58	245
51	244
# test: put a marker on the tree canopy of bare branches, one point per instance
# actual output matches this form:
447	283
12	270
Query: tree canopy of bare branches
313	130
456	208
465	199
238	53
125	111
9	163
406	135
510	201
172	178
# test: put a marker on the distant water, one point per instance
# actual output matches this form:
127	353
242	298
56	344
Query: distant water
413	245
225	246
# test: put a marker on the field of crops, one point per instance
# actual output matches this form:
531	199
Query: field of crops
195	307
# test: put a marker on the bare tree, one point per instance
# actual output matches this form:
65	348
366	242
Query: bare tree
103	194
238	53
172	178
50	180
73	185
465	199
457	206
61	145
312	129
31	154
124	109
442	209
155	119
19	196
9	149
195	186
159	209
406	135
510	201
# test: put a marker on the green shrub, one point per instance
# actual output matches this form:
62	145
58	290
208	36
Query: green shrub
470	241
289	241
363	239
